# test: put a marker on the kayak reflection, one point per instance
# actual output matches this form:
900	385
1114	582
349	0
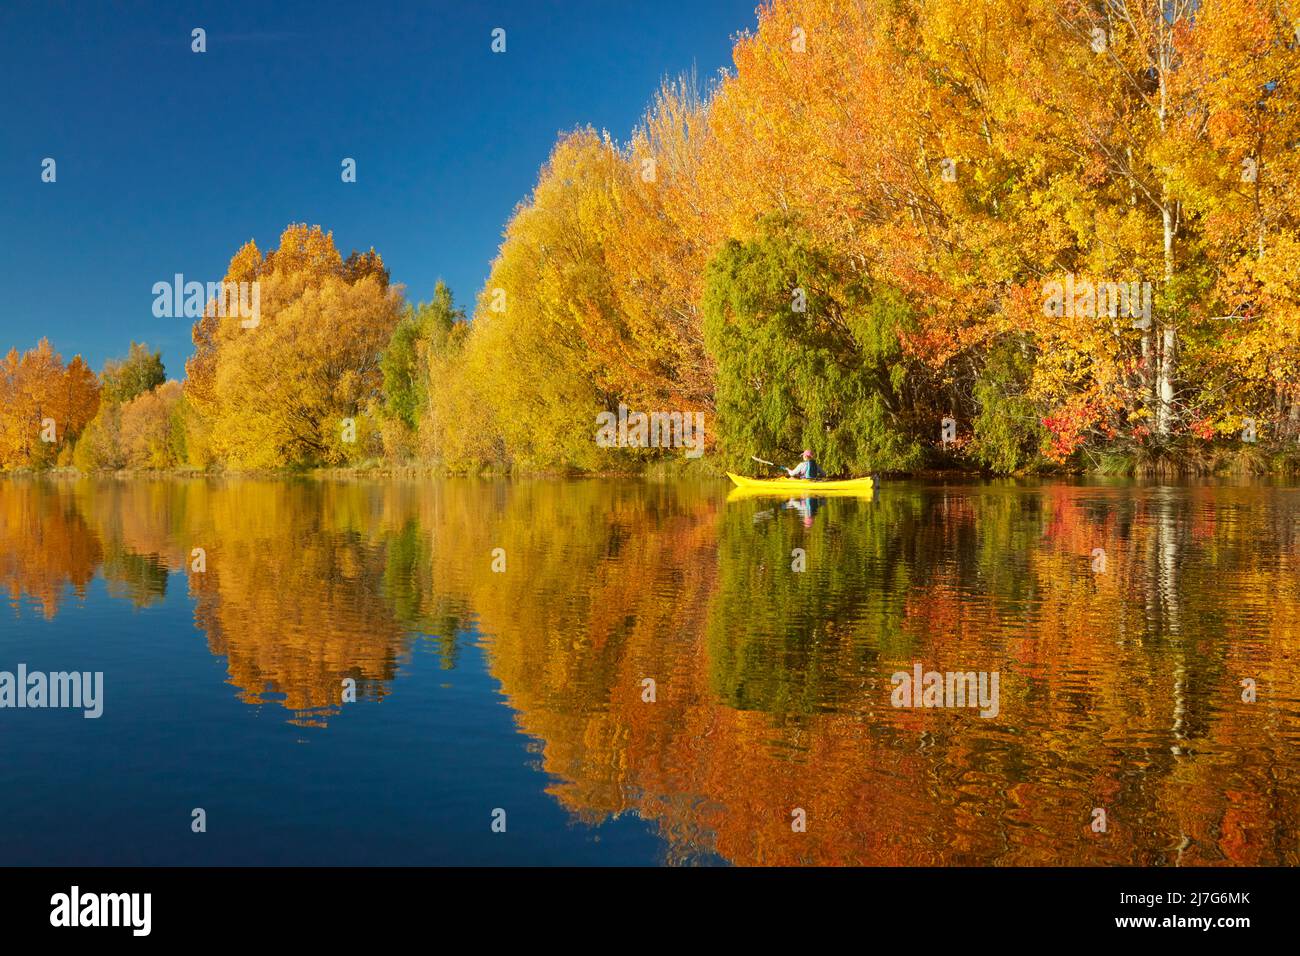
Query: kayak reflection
806	507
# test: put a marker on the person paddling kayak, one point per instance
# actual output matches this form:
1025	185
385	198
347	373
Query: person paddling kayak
806	469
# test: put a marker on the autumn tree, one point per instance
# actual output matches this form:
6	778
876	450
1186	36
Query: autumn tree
100	445
537	355
146	429
44	405
656	255
300	384
1236	176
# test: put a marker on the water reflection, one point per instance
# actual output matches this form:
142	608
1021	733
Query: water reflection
1121	682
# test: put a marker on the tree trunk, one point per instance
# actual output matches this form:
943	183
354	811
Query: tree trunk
1166	360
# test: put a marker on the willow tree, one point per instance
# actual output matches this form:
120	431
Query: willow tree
807	356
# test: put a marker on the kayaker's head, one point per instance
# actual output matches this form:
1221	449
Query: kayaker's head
807	455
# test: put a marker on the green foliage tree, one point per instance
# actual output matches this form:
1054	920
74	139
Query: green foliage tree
140	372
405	363
807	355
1008	431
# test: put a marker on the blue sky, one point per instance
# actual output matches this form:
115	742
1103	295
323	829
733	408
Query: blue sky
169	160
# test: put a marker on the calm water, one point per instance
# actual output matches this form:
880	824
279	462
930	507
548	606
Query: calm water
522	690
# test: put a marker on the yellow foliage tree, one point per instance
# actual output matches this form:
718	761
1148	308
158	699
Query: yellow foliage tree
146	427
537	352
298	385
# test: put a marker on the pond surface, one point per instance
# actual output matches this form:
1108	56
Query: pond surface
641	676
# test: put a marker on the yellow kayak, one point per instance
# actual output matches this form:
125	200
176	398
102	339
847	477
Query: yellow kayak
793	486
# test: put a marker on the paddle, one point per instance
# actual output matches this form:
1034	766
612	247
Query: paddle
770	464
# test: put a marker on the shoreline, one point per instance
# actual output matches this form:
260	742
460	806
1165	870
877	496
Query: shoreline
1275	460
